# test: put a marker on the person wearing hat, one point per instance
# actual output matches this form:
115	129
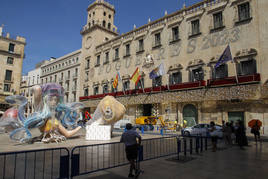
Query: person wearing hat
129	138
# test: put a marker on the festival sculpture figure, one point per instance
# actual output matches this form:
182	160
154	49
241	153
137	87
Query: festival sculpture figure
51	116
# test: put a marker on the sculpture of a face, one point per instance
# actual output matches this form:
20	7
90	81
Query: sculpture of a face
111	109
53	102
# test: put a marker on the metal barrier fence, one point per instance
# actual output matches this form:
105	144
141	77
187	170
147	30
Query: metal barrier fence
55	162
43	163
92	158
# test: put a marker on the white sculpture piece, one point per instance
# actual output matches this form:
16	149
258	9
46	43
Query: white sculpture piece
108	112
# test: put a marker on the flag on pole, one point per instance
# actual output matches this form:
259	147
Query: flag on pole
115	83
159	71
136	76
225	57
119	77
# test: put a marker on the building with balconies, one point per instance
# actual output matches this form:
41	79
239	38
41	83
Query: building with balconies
188	43
64	71
11	55
27	83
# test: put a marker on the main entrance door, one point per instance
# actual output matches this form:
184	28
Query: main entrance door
235	116
147	109
190	115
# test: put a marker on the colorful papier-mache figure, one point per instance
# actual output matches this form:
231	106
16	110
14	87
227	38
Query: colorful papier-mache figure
55	120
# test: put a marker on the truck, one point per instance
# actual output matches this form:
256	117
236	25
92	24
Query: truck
148	123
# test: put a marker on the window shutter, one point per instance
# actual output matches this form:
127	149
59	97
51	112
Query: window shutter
180	77
170	79
254	66
190	76
213	71
225	70
238	69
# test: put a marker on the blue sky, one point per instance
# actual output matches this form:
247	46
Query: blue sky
52	27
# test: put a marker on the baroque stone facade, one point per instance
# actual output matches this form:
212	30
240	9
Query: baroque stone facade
11	55
188	43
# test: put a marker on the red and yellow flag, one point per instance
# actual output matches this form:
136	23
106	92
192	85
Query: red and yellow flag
136	76
115	83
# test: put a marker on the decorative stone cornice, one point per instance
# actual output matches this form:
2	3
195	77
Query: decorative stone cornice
195	63
175	67
244	53
240	93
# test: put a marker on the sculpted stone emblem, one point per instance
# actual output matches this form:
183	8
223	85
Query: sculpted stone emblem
148	61
88	42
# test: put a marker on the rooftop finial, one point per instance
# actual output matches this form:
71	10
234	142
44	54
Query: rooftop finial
1	29
149	20
165	12
184	4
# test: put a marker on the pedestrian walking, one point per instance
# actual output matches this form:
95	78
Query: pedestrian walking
241	135
129	138
225	132
213	135
229	134
233	132
256	131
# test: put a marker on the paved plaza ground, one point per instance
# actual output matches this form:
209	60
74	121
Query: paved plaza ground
230	163
7	145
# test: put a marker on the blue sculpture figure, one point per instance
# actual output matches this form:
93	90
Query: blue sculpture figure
51	115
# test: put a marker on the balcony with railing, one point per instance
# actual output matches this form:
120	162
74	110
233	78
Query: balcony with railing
9	80
74	88
67	78
229	81
245	79
67	89
75	76
158	89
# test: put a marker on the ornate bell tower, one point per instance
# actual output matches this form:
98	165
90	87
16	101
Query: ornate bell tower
99	29
100	17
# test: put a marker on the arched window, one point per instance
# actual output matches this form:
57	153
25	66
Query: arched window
109	25
190	115
103	23
196	74
85	92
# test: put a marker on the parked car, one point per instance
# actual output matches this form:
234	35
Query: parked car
201	129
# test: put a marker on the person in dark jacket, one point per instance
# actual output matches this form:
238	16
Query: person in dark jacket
129	138
256	131
241	135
